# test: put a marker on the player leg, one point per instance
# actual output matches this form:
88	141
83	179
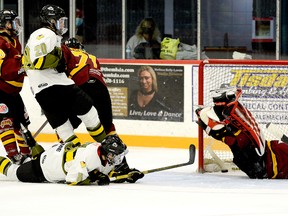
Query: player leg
31	172
26	172
101	100
21	117
84	109
69	101
8	169
7	135
277	159
55	105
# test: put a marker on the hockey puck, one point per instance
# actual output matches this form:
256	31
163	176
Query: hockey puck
224	170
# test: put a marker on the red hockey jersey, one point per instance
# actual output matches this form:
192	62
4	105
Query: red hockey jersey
87	67
10	63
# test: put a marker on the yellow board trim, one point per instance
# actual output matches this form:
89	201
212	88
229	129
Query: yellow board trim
142	141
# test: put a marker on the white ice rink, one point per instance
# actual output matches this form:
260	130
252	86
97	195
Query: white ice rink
180	191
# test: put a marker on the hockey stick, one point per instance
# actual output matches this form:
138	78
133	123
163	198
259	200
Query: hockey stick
191	161
40	129
217	160
272	128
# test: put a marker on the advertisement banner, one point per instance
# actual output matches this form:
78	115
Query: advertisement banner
265	90
146	92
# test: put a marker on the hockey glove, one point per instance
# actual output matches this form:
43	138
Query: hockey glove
199	121
99	177
201	124
134	175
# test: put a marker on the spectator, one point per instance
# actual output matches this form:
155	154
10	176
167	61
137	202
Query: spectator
145	44
79	25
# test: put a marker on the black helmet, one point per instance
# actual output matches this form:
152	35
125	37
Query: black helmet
224	95
54	16
113	149
74	43
12	17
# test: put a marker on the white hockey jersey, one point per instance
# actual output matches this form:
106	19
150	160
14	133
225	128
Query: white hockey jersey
61	164
41	57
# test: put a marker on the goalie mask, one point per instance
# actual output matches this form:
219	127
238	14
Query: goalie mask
54	17
114	149
223	96
10	22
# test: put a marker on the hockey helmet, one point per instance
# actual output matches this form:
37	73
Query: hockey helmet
54	16
10	17
223	95
74	43
113	149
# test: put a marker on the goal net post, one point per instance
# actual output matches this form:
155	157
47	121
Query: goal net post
264	84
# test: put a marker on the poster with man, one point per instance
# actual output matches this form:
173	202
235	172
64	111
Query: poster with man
146	92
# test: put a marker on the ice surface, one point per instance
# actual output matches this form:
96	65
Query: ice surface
180	191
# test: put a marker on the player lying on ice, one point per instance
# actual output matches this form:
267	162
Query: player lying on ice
81	165
230	122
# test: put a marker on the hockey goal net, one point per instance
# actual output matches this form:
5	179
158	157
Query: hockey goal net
265	93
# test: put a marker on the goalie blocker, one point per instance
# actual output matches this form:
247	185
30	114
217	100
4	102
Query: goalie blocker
230	122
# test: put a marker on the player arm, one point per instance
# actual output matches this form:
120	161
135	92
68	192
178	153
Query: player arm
81	176
77	173
211	126
9	67
54	59
84	170
71	61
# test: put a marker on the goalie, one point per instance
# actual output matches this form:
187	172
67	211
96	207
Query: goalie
230	122
80	165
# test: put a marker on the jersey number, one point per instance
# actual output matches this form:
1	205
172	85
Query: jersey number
40	50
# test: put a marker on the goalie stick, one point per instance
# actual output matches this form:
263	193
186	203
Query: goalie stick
190	161
217	160
272	128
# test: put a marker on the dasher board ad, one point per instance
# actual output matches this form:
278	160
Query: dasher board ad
146	92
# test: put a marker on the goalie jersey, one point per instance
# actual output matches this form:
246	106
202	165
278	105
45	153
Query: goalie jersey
45	60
